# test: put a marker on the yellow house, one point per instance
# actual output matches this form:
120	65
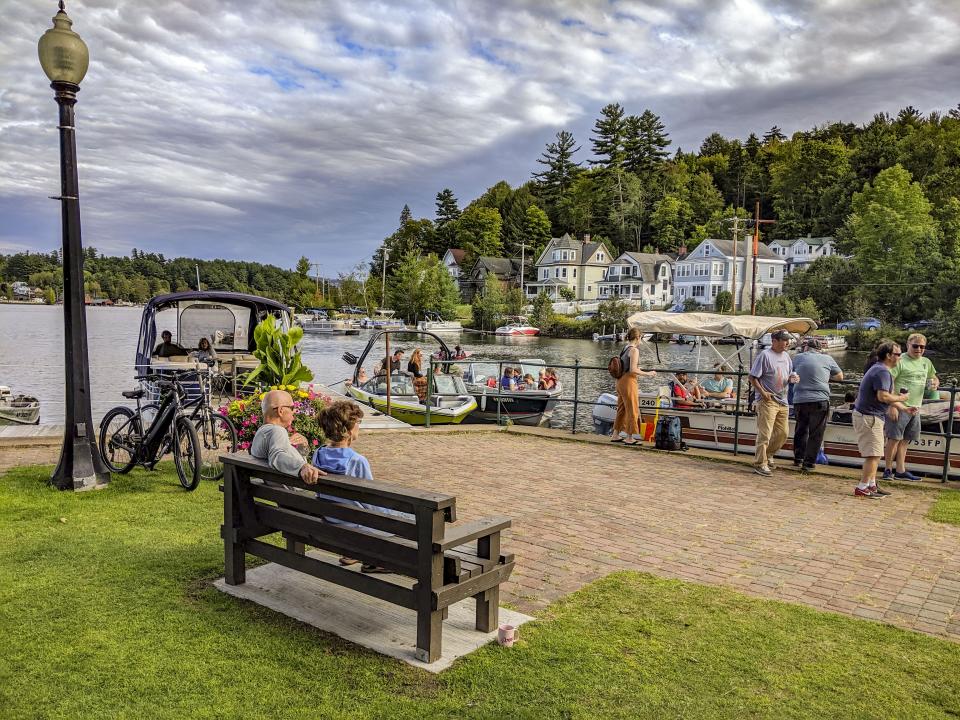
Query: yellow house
574	264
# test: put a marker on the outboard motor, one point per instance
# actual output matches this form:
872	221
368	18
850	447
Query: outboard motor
604	413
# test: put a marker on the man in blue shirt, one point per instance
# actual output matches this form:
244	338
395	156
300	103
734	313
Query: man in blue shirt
873	399
770	375
811	401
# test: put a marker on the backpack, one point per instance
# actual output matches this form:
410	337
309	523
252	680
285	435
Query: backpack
669	434
616	366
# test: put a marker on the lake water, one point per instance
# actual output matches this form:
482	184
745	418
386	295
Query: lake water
31	358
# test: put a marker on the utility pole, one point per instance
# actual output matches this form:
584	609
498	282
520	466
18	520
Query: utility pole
756	251
733	289
197	268
319	291
383	284
523	247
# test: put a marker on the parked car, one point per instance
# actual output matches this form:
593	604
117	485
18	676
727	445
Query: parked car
867	323
918	324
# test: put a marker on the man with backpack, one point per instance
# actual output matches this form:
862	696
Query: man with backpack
770	376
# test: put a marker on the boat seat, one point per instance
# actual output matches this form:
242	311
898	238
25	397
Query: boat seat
134	394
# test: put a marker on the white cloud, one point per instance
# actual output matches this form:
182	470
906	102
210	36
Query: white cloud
201	120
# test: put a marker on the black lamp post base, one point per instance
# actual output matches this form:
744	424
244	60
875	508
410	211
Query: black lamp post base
80	466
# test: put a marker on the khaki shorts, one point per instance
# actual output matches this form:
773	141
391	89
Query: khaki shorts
869	429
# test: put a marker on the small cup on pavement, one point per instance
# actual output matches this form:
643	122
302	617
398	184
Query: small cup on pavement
506	635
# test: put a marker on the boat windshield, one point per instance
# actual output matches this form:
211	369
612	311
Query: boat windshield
399	385
448	385
480	371
532	366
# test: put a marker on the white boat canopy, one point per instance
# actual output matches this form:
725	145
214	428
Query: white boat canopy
711	325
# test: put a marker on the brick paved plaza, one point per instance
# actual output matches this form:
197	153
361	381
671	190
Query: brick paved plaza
582	510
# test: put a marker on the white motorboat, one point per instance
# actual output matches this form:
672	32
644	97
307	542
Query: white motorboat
432	322
383	320
517	330
328	327
18	409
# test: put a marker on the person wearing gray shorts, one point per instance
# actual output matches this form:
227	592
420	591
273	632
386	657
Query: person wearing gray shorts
906	427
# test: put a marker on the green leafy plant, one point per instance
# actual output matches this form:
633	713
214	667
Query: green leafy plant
280	361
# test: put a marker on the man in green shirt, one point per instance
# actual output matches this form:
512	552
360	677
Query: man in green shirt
914	372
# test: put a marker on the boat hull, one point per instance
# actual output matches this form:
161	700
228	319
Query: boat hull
415	413
523	408
20	412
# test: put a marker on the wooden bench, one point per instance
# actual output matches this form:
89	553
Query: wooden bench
258	501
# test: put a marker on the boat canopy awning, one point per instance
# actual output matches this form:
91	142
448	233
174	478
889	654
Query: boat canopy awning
752	327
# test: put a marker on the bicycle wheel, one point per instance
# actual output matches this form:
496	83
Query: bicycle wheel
217	435
120	437
186	452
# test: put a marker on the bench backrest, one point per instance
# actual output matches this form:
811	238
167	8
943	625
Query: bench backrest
284	503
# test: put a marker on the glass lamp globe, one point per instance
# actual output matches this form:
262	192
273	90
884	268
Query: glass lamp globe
63	55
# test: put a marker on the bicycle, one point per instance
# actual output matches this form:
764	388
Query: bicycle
127	438
216	432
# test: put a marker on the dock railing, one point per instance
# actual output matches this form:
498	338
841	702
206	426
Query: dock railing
743	395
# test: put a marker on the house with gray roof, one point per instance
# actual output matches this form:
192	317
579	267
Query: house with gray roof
570	263
645	279
506	270
801	252
711	267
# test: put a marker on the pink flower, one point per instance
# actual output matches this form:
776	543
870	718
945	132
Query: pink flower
254	418
244	445
315	442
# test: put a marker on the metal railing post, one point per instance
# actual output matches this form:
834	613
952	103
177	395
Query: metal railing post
736	413
576	393
499	389
429	394
949	436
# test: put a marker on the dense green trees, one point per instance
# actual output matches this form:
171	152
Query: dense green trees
422	284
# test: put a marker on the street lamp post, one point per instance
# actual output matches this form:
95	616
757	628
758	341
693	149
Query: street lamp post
64	58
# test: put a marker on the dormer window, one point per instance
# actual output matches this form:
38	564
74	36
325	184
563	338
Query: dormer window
706	250
556	254
573	254
600	257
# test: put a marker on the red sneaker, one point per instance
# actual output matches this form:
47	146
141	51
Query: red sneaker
867	493
878	490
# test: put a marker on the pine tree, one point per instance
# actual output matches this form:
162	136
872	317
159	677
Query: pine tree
774	134
645	143
447	208
405	215
560	171
609	135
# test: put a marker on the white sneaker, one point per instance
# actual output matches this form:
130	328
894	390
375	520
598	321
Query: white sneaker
772	465
762	470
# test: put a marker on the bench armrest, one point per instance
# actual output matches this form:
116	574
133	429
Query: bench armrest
461	534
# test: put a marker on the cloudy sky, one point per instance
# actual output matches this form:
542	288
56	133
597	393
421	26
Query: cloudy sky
267	130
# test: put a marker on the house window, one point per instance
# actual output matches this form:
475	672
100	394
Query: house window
589	288
563	255
563	272
663	271
714	289
543	274
773	272
573	254
706	250
718	269
698	290
556	254
556	272
600	257
634	289
665	284
574	272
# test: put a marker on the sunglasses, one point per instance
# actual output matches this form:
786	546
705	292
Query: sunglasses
281	407
919	347
897	354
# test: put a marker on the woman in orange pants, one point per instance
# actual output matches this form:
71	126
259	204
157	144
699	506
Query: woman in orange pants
626	426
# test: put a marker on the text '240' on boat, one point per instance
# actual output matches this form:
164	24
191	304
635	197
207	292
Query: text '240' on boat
404	396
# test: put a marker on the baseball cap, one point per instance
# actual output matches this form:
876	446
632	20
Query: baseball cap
781	335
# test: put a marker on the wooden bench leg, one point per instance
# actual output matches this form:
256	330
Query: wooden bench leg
234	557
429	635
488	609
294	545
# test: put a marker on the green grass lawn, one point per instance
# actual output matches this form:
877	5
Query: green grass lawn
947	507
106	611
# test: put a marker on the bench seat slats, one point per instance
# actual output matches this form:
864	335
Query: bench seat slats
312	505
380	551
367	584
462	534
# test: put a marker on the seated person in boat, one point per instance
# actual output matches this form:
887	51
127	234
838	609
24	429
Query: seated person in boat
275	445
549	379
340	422
393	362
168	348
528	382
507	382
718	386
458	353
682	397
540	380
204	352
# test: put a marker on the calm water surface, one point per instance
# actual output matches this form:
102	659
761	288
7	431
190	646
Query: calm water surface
31	358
